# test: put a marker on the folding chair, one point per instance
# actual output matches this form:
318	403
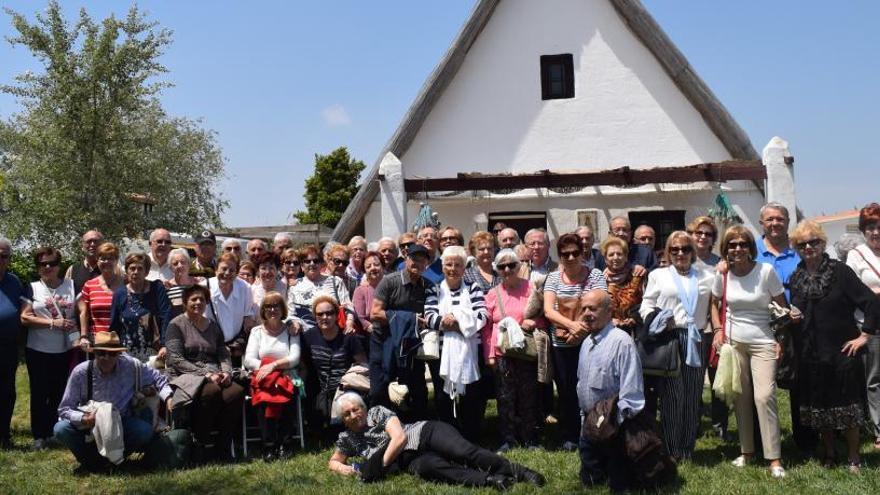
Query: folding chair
250	429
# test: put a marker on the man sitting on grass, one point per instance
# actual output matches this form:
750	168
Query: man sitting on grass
112	381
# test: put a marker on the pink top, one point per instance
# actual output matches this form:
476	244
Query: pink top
98	301
363	302
514	303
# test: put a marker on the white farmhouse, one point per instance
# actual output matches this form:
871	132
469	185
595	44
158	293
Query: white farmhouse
555	113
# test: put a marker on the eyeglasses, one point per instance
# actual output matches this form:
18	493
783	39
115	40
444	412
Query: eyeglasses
311	261
291	263
872	227
703	233
162	241
340	261
569	255
507	266
449	239
423	237
272	307
267	268
325	314
92	241
48	264
681	250
102	354
235	248
406	245
811	243
737	245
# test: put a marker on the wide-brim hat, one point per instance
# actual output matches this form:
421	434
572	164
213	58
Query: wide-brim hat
108	341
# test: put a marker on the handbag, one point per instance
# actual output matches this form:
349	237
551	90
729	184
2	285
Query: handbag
570	308
528	352
660	354
600	423
727	385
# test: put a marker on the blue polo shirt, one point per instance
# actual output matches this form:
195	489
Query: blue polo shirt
12	294
434	272
785	264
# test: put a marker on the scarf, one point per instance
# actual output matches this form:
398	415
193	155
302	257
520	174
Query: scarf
688	300
619	278
458	360
816	285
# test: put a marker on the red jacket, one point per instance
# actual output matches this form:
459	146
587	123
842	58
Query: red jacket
274	390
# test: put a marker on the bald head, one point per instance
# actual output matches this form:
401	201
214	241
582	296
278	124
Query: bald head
90	242
597	309
256	247
508	238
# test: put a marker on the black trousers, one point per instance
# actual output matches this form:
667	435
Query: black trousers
445	456
47	375
274	431
565	366
718	412
8	365
601	465
379	379
217	409
517	400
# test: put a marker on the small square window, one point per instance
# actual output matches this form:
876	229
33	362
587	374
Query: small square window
557	76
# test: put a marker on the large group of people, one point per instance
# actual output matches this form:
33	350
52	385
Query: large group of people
351	330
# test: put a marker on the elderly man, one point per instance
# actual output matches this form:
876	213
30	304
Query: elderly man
404	292
256	247
160	246
231	245
644	234
282	241
608	366
592	257
427	238
12	295
206	252
388	253
641	257
81	273
110	378
508	238
540	264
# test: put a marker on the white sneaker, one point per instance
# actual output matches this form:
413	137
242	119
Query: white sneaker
777	472
740	461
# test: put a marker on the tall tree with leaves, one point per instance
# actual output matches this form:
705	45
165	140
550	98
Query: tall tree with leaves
330	189
92	136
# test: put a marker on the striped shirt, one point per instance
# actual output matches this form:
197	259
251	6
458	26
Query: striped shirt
554	284
374	437
477	304
99	302
472	276
328	360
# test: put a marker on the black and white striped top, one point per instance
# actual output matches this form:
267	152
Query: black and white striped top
477	302
366	443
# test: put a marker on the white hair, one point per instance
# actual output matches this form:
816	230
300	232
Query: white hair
773	206
387	239
515	234
506	254
347	398
156	232
455	252
373	246
179	252
847	243
282	236
228	242
357	239
538	231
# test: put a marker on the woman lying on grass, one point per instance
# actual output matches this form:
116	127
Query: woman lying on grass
432	450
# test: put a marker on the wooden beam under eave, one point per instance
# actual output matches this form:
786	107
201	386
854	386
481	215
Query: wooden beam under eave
625	176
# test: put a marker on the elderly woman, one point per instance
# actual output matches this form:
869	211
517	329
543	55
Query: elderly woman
387	248
749	288
431	450
313	284
337	258
96	297
357	249
562	293
624	286
517	389
197	346
247	272
831	375
290	267
865	261
363	294
328	353
680	294
231	304
459	311
271	348
140	312
267	278
49	317
450	236
180	262
482	248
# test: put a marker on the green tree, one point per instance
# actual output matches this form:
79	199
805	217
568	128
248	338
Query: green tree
92	134
330	189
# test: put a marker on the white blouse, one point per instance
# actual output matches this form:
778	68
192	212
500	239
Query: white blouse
662	293
864	263
262	345
230	311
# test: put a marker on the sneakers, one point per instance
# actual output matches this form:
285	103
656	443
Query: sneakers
777	472
525	474
740	461
500	482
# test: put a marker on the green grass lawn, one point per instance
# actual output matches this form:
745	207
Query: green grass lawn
23	471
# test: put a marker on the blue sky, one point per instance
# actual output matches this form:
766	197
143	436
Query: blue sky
281	81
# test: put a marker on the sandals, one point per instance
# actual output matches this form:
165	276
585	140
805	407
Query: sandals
777	472
855	467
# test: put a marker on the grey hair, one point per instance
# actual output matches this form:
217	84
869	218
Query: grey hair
265	246
583	228
357	238
347	398
228	242
645	226
606	297
154	233
620	217
282	235
506	254
373	246
4	242
515	233
847	243
179	252
455	252
329	246
773	206
540	231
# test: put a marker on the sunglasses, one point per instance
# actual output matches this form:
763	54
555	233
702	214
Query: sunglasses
449	239
292	262
737	245
340	261
703	233
311	261
406	245
569	255
325	314
48	264
105	354
274	307
681	250
507	266
812	243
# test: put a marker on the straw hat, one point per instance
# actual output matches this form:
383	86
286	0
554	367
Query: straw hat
108	341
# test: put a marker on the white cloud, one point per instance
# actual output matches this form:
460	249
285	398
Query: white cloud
335	115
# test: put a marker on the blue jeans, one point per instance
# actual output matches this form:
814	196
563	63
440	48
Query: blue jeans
136	434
